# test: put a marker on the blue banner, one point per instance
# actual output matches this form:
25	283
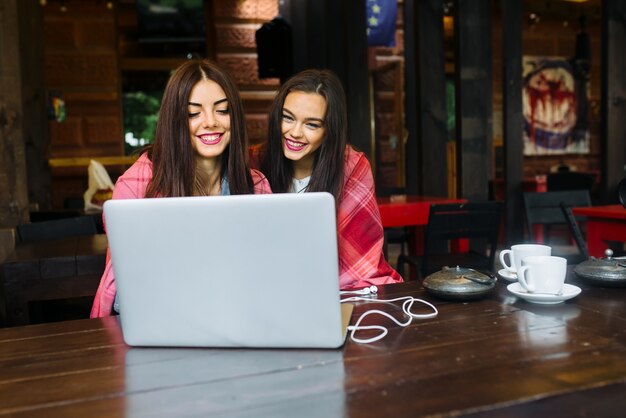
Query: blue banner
381	22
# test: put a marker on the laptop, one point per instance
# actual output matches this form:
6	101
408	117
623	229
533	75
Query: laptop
228	271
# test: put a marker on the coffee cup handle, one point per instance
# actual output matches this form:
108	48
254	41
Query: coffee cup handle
506	266
521	278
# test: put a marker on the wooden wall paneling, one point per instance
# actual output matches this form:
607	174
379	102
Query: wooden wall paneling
67	135
613	97
103	131
126	25
473	97
73	71
512	16
82	65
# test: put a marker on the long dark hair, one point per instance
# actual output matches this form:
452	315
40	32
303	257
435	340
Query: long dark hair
172	155
328	164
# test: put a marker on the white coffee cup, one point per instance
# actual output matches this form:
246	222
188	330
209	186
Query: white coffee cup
520	251
542	274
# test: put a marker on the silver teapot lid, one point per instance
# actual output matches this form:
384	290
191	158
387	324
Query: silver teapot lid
459	283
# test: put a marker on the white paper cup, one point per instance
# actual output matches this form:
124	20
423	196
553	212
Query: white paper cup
542	274
520	251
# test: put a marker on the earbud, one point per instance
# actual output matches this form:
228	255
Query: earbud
372	290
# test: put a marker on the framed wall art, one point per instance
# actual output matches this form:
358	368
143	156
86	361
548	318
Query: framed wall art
554	100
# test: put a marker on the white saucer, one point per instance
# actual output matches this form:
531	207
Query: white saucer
507	275
569	291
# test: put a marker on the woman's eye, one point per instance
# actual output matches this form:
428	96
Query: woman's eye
193	114
287	118
313	125
222	111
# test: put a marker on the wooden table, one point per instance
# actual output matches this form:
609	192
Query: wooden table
604	223
497	357
45	270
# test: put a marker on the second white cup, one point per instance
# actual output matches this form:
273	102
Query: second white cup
520	251
542	274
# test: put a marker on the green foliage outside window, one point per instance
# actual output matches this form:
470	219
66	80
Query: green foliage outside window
141	111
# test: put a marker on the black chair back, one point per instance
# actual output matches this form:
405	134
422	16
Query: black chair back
478	222
57	228
545	208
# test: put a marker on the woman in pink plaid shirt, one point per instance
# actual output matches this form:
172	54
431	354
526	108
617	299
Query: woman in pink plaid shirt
307	151
200	149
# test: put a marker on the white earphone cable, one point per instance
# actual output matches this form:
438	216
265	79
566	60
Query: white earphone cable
371	290
407	304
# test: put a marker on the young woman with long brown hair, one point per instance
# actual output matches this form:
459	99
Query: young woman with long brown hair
200	149
308	151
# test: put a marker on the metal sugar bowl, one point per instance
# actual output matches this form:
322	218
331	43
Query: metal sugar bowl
458	283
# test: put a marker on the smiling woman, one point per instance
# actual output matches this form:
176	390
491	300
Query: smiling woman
200	149
307	151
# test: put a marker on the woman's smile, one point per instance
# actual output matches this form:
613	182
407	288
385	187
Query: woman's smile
212	138
294	145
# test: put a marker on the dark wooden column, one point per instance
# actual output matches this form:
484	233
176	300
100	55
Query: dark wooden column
34	103
425	94
613	136
332	34
512	16
13	178
472	30
412	151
